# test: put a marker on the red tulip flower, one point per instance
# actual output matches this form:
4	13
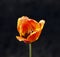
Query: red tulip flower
29	29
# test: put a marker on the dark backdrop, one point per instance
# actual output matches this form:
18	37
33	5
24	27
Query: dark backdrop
48	44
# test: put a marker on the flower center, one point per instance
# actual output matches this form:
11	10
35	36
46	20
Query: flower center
27	34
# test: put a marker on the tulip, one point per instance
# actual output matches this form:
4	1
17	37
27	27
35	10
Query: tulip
29	29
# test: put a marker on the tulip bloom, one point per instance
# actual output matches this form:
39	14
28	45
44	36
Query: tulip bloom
29	29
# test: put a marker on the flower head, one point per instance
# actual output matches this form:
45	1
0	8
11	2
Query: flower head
29	29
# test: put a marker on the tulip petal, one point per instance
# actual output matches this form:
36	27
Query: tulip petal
21	21
34	24
41	22
19	24
33	36
20	38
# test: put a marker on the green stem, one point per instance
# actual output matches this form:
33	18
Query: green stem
30	50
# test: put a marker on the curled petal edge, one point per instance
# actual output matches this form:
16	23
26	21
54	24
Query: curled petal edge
41	22
20	38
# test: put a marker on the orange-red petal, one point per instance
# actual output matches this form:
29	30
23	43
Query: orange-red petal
25	28
35	25
33	37
20	22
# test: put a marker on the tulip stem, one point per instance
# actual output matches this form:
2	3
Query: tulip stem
30	50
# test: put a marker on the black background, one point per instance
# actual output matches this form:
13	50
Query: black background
48	44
